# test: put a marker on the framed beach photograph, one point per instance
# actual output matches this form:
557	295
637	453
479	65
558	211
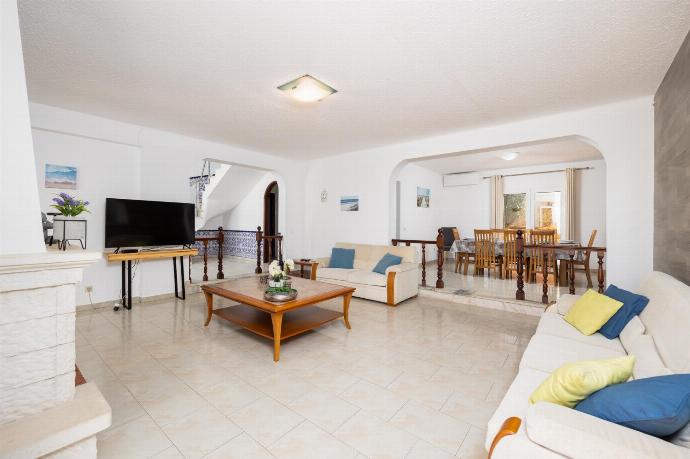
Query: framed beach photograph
349	203
423	196
63	177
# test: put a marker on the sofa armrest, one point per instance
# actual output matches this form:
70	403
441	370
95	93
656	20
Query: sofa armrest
510	427
402	267
579	435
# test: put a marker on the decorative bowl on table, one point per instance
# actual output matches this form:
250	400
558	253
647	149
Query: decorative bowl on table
280	295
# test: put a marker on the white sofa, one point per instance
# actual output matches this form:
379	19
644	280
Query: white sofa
658	339
398	284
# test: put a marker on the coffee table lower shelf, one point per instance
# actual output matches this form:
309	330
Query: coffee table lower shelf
294	322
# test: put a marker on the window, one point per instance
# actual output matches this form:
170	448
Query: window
515	210
547	210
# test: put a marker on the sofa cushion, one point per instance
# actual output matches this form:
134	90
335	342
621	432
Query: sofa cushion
631	332
342	258
647	361
575	381
565	302
658	406
667	319
554	324
515	402
386	262
548	352
367	278
592	311
633	304
335	273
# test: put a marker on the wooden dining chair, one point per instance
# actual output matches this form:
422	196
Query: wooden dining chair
484	251
536	261
510	261
585	261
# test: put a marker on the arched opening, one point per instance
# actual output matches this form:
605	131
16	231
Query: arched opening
270	226
455	190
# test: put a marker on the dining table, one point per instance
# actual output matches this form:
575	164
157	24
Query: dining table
463	249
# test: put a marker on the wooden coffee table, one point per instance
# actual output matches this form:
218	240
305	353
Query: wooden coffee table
277	321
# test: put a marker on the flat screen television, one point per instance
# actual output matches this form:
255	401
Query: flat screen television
137	223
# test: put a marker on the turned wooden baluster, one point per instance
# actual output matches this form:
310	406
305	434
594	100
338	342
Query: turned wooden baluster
519	243
545	274
259	240
439	260
423	265
571	272
600	272
221	241
205	242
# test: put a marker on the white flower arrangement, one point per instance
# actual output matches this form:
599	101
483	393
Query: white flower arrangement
277	273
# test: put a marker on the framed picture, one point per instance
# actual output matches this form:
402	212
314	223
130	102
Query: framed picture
349	203
423	196
63	177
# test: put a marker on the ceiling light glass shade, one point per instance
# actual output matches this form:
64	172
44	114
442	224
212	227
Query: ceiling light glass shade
307	89
509	156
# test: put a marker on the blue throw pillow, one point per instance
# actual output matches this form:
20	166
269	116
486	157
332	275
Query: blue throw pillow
342	258
658	406
633	304
386	261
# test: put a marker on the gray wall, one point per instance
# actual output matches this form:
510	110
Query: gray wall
672	169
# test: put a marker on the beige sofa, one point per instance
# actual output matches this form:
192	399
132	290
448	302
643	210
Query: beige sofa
398	284
658	339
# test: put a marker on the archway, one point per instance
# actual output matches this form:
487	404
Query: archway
270	226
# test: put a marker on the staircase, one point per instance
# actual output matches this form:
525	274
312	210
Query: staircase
219	188
211	175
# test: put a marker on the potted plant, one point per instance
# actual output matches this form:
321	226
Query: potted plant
64	228
69	206
278	274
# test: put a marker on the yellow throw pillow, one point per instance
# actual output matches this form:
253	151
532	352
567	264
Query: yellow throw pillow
592	311
574	382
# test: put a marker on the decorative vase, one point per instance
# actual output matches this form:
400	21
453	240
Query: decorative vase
276	284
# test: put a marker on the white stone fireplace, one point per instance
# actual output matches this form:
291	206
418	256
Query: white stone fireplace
42	413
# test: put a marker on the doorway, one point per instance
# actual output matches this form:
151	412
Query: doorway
270	227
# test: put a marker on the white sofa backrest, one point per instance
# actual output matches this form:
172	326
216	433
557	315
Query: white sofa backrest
367	255
667	319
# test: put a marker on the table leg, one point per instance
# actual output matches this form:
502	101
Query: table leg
209	308
467	263
346	309
277	319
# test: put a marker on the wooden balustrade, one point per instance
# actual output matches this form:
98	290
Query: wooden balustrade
265	241
205	240
572	252
439	257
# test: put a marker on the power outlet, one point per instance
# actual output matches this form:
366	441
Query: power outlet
88	289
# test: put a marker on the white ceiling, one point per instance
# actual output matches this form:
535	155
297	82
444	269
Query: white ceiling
557	151
403	70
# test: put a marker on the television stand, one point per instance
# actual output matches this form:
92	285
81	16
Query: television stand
126	259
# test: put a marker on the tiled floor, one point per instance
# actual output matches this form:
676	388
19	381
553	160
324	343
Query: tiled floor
416	381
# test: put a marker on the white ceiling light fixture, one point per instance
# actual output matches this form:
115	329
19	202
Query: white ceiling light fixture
307	89
509	156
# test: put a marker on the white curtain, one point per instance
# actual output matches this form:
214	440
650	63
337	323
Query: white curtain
568	226
496	199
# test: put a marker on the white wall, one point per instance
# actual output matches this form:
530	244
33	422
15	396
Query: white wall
160	164
467	207
104	170
249	213
622	131
20	219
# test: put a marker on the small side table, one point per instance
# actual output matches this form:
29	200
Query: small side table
307	263
72	229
